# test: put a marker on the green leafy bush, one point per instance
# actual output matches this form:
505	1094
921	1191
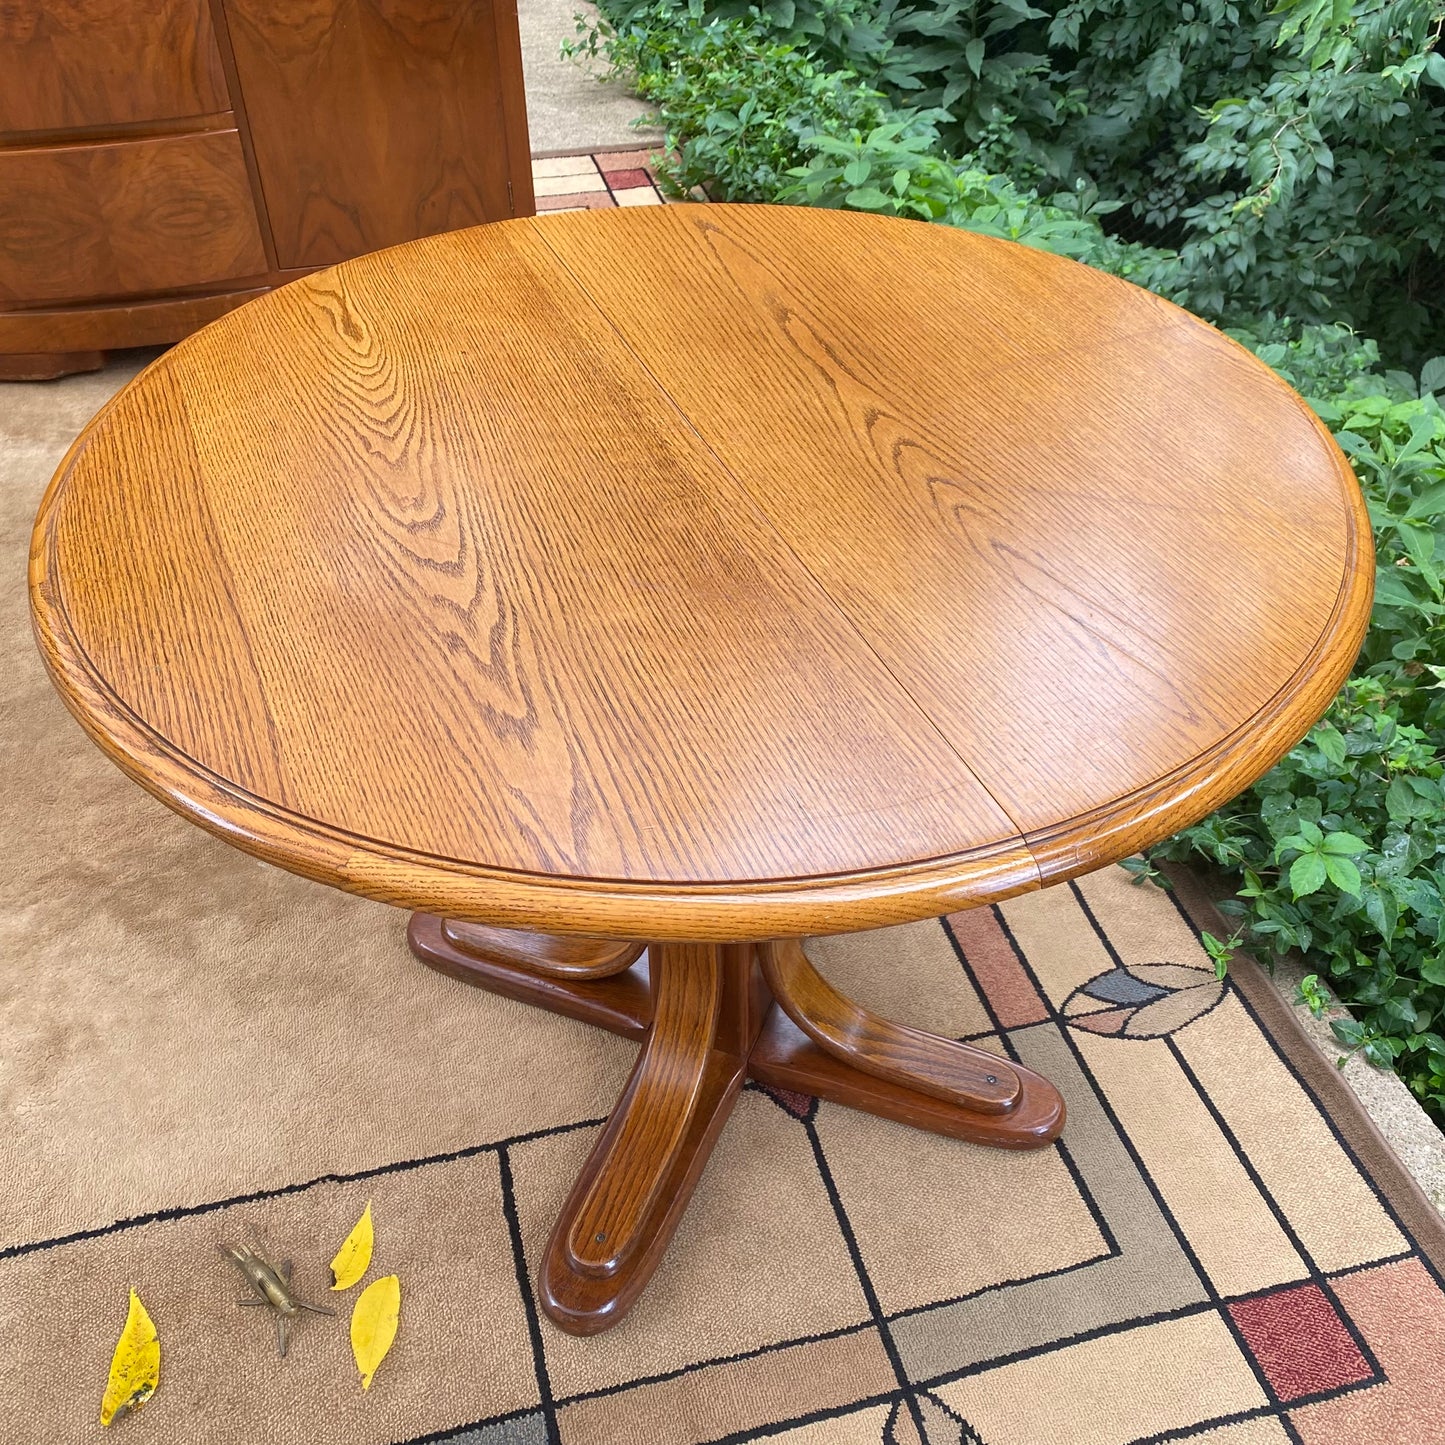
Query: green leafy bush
749	119
1341	848
739	107
1292	154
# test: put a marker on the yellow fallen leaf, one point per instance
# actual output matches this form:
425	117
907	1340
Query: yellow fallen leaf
373	1324
135	1368
353	1259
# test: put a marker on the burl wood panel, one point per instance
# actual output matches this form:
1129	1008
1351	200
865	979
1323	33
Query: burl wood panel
712	572
70	64
125	218
375	121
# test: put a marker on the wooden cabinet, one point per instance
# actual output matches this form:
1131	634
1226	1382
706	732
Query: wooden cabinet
325	60
125	217
73	64
164	160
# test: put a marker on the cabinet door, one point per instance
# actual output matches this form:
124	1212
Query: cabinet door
67	64
125	218
377	121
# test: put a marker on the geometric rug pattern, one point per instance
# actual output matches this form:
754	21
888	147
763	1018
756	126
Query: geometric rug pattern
1202	1256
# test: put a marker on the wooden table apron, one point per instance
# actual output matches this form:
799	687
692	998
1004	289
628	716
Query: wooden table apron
631	594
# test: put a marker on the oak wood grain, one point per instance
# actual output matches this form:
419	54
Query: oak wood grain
710	1021
786	1058
947	1070
545	637
331	86
556	956
1094	526
779	1052
618	1002
608	1224
71	64
123	218
707	1008
521	614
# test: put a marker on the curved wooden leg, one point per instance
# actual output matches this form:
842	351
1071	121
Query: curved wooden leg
839	1051
627	1201
553	955
597	980
709	1016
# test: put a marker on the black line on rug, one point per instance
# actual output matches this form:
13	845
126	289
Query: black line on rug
813	1417
524	1288
1004	1035
1206	1283
1083	1337
1062	1269
450	1432
1120	1327
1316	1275
621	1389
1349	1269
1191	1432
1282	1054
186	1211
989	1011
870	1294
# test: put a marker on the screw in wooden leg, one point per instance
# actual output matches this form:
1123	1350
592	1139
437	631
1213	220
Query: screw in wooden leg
816	1041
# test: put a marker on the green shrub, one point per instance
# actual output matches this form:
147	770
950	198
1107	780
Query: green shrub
749	119
1341	848
1292	154
738	106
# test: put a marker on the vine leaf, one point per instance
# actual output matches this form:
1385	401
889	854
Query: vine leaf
135	1368
353	1259
373	1324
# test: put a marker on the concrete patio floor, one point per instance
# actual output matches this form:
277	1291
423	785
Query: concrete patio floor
568	108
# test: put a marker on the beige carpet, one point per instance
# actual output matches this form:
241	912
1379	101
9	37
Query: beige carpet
195	1046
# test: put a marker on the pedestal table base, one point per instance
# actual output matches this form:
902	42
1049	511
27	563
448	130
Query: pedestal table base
710	1016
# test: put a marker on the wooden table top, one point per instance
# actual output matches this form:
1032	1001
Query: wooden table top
701	571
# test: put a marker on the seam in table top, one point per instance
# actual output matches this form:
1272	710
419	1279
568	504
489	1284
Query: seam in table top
71	641
761	515
1271	705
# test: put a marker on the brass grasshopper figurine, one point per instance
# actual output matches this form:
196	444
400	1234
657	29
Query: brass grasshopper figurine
273	1288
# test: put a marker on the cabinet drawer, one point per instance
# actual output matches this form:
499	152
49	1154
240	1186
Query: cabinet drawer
76	63
125	218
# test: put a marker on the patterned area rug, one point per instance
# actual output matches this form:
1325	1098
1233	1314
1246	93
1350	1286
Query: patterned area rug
198	1047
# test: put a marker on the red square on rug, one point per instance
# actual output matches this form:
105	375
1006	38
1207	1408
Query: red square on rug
1300	1342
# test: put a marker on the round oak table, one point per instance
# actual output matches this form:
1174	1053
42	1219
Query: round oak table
634	593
